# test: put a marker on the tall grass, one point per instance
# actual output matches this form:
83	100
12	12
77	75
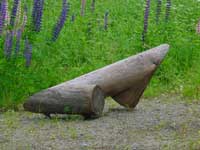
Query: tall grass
76	52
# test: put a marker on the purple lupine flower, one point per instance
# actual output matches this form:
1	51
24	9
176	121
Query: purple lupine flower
34	11
37	14
198	28
38	20
14	12
18	39
158	10
8	44
61	21
83	4
146	19
106	20
2	15
168	8
28	53
93	6
73	18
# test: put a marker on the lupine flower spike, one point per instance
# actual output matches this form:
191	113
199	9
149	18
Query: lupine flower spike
8	44
106	20
158	10
83	4
146	19
28	53
61	21
93	6
168	8
3	8
37	14
14	12
198	27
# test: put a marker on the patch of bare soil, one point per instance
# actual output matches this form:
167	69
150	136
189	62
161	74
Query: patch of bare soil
166	123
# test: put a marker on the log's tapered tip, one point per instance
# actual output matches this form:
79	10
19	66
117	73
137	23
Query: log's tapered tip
158	53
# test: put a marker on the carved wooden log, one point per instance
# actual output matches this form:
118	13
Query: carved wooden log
125	81
87	100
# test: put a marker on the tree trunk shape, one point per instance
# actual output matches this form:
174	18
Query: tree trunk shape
125	81
87	100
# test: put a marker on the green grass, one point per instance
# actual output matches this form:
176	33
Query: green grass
76	52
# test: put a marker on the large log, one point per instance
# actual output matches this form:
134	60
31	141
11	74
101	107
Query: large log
87	100
125	81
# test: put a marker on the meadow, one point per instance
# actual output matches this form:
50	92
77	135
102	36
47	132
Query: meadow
84	45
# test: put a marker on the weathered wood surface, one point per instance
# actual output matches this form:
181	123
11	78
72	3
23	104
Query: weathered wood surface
87	100
125	81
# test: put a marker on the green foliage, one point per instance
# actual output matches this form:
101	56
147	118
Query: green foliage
67	109
77	52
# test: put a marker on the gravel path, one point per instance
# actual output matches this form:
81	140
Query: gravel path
160	123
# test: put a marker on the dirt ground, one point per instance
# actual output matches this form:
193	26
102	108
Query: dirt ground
163	123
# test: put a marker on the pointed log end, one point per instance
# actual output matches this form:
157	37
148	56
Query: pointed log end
159	53
129	98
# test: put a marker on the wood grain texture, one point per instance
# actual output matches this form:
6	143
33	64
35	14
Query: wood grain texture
125	81
87	100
